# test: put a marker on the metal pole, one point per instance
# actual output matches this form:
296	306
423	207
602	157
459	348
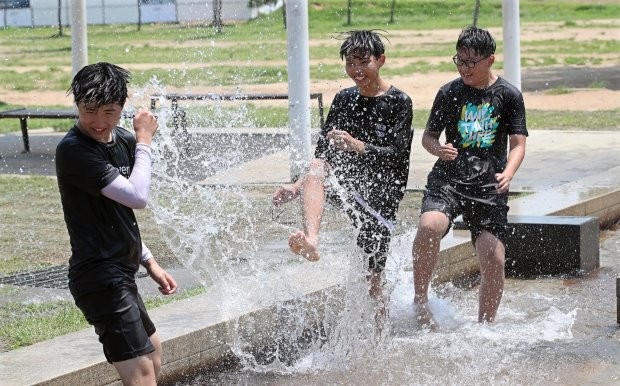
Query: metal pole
298	85
79	45
618	300
512	42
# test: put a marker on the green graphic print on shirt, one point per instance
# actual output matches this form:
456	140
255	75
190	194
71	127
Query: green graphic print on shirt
477	127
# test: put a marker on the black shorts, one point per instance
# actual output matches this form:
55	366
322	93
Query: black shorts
121	321
374	230
482	210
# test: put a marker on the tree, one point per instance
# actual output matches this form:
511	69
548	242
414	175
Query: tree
392	6
59	33
476	13
217	15
139	14
349	6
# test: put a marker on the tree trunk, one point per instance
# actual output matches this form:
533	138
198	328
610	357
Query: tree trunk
217	15
59	18
349	12
139	15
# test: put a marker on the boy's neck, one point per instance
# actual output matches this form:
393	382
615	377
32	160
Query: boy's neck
375	89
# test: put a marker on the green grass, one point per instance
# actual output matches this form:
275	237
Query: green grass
573	120
35	60
250	115
25	324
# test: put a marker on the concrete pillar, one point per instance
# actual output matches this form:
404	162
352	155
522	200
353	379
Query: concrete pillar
79	43
298	85
512	42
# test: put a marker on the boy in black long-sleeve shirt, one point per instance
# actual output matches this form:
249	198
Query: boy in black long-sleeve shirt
362	158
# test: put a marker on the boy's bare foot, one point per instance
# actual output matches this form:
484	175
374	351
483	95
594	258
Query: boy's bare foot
424	316
380	318
301	245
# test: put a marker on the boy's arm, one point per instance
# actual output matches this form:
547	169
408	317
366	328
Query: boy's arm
402	134
431	143
516	155
134	191
167	284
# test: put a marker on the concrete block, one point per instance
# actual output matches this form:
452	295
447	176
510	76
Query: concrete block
550	245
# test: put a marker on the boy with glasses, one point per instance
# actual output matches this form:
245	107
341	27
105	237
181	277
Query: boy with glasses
482	116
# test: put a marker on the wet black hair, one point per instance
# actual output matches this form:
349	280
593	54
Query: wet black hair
100	84
477	40
362	42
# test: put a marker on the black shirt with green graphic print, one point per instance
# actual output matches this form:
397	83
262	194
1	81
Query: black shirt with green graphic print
477	122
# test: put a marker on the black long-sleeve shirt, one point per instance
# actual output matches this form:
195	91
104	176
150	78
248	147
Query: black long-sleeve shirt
383	123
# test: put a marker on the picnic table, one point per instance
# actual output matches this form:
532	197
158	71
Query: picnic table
24	114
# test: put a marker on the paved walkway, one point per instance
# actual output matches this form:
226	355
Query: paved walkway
552	158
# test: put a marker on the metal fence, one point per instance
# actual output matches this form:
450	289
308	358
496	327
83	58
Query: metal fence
42	13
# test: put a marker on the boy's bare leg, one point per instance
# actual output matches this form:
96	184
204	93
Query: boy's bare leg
305	243
430	231
375	280
491	252
144	369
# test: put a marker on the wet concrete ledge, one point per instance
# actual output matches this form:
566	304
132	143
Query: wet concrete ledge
198	332
593	196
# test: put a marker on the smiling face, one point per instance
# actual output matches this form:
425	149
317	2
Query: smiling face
97	122
364	69
479	75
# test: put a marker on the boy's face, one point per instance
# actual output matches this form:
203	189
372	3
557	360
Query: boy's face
98	122
474	69
364	68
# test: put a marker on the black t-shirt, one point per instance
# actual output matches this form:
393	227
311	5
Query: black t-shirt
383	123
104	235
477	123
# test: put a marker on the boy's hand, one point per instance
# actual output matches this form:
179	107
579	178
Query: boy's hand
167	284
503	182
447	152
344	141
284	194
145	125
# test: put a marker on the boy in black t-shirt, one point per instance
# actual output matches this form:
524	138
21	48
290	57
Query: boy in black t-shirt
104	172
482	115
361	160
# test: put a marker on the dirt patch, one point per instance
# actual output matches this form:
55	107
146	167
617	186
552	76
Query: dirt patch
422	87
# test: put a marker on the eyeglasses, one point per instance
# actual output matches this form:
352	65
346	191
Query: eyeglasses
467	63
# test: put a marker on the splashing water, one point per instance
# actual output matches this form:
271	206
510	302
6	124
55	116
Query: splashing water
548	330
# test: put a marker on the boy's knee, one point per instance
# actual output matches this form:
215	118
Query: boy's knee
435	225
317	169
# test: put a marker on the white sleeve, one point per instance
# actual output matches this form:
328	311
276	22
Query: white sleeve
146	254
133	192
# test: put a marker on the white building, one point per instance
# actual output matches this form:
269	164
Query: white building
39	13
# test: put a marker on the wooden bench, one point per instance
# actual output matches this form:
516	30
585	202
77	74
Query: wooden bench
24	114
